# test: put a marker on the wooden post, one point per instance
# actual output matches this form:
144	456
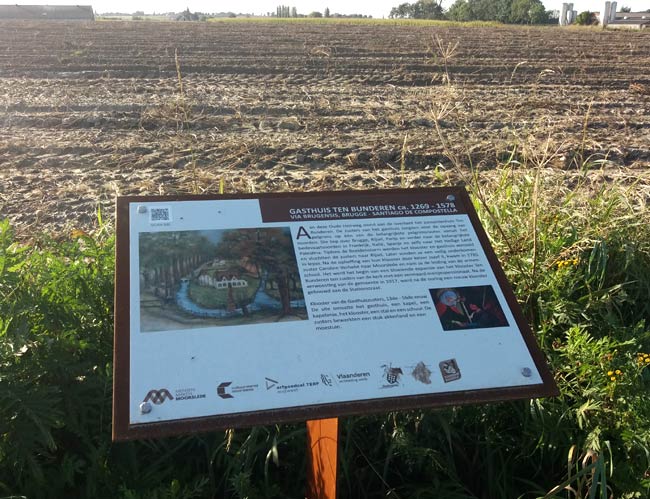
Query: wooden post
322	442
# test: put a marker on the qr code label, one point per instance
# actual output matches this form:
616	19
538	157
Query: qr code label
160	214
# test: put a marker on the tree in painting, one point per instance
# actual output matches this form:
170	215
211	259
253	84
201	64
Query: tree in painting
165	257
271	252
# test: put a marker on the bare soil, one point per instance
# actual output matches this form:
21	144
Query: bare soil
90	111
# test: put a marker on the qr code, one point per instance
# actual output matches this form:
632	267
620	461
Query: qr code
161	214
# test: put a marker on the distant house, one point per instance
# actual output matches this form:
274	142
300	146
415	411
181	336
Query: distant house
49	12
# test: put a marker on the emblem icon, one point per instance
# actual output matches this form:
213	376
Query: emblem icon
158	396
449	369
392	374
221	390
422	373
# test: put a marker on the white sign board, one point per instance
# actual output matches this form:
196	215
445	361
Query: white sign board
239	311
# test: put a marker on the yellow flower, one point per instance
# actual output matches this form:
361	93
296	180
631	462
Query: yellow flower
646	360
610	373
613	378
77	233
618	372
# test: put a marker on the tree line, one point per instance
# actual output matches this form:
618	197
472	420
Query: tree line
505	11
286	11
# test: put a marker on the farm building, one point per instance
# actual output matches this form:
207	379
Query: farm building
631	20
57	12
622	20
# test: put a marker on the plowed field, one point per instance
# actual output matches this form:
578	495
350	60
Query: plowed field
92	110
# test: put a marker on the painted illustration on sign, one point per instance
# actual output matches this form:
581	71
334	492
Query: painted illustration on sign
199	279
473	307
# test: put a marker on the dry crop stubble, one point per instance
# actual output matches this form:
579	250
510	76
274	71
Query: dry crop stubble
302	106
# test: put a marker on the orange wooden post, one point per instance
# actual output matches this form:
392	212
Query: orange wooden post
323	441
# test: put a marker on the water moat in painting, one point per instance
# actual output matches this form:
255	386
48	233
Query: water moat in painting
199	279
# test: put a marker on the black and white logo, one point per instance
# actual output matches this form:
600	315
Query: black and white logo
221	390
158	396
392	376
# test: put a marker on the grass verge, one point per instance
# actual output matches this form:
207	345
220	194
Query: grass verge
578	254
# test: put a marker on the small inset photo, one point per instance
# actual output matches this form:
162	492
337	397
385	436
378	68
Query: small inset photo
472	307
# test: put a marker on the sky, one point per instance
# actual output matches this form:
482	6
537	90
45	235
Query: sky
375	8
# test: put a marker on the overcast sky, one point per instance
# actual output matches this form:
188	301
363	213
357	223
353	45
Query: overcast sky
375	8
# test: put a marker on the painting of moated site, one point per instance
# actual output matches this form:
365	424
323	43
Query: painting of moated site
199	279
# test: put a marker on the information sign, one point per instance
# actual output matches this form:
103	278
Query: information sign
241	310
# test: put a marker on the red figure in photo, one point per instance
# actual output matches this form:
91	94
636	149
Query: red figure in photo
468	308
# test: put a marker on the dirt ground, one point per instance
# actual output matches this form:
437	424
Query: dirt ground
90	111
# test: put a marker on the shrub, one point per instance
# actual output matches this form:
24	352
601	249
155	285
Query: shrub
586	18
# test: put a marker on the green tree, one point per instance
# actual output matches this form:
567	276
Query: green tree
422	9
460	10
505	11
283	11
538	15
586	18
403	10
480	10
428	9
502	11
519	11
166	257
484	10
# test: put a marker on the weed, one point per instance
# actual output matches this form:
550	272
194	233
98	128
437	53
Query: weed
402	163
438	48
580	261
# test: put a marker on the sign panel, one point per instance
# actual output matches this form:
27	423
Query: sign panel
240	310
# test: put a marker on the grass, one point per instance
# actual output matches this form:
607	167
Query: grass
343	20
578	255
317	20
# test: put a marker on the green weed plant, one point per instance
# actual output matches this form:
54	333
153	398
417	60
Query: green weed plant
578	256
